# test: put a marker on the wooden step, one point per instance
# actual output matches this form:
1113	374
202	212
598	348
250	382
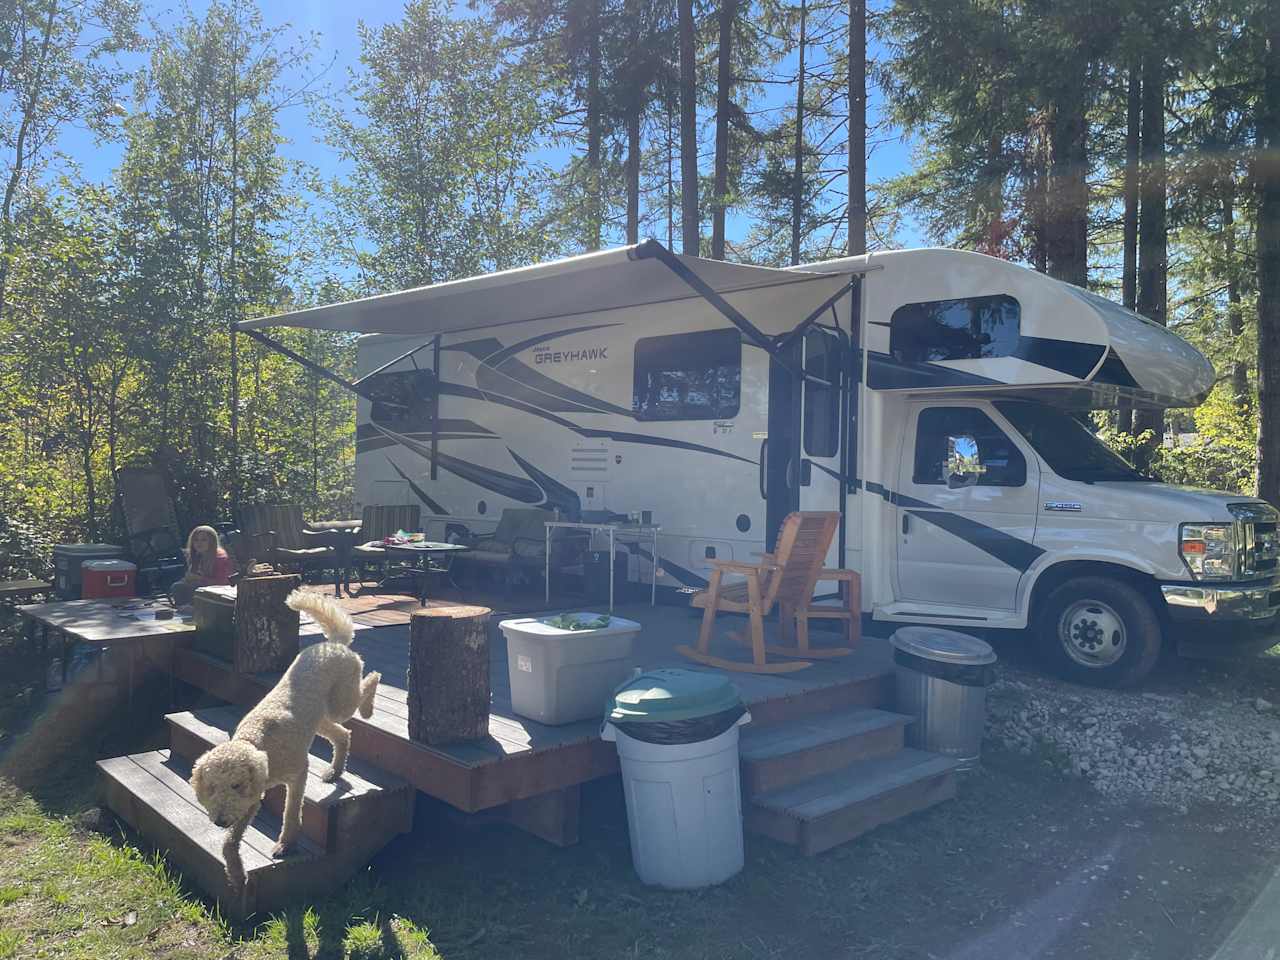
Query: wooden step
788	753
832	809
150	792
364	798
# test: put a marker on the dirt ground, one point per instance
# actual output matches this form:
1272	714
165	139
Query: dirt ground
1029	861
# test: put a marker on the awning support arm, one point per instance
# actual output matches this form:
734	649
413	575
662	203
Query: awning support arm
653	250
404	356
306	362
829	304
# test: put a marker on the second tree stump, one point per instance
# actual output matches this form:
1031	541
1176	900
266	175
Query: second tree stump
448	677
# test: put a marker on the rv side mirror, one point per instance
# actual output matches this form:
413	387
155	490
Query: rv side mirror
963	467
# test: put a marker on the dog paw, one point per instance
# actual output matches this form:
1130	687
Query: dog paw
330	775
280	850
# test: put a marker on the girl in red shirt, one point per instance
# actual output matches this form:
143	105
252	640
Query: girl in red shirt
207	565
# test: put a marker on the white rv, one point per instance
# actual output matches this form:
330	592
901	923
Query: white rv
928	396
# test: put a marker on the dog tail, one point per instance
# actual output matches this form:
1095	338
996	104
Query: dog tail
335	623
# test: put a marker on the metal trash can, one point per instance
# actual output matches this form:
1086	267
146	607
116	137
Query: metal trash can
942	678
677	737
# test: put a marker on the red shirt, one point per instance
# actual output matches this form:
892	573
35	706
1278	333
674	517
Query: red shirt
221	573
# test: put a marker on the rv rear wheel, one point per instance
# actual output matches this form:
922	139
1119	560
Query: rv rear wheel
1098	631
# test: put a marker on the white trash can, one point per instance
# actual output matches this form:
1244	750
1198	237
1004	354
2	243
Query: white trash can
684	799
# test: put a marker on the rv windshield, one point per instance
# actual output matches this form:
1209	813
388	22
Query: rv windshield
1070	450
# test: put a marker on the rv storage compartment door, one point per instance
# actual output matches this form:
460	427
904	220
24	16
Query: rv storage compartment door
966	511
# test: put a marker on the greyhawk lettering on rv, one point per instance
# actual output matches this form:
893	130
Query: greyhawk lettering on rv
570	356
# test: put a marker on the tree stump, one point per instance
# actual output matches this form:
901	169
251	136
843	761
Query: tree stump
266	630
448	676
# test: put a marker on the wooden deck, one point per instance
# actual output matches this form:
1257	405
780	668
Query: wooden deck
522	759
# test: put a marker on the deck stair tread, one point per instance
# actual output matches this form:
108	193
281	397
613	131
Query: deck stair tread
213	725
804	733
858	783
150	792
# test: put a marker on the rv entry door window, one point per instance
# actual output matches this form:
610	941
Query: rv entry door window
688	376
822	369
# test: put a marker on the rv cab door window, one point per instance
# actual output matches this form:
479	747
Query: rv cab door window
961	446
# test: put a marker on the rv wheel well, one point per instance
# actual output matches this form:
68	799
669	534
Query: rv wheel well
1060	573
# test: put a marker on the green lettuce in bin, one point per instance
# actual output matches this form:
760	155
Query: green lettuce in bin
566	621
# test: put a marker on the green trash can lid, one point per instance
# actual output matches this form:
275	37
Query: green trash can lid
666	696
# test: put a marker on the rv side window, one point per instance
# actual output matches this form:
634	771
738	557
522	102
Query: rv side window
403	400
970	329
943	447
688	376
821	403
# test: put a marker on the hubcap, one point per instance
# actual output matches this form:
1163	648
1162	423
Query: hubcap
1092	634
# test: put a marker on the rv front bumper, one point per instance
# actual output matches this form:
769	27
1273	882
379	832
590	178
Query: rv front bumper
1224	619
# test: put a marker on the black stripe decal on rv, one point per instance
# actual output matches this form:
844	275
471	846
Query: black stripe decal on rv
524	489
1006	548
418	491
500	372
462	390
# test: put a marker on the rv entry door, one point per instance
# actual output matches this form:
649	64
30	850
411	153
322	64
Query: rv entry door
801	469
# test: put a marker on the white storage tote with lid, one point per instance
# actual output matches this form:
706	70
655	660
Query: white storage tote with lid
564	668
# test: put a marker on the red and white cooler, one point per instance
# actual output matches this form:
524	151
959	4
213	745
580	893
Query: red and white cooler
101	579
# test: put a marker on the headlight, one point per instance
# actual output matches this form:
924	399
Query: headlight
1209	550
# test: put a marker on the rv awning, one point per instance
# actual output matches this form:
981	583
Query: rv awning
632	276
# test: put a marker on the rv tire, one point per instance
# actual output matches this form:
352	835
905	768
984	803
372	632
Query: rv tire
1099	631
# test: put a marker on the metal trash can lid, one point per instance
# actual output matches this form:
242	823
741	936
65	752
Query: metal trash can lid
944	646
665	696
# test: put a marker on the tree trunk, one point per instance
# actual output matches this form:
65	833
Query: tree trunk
797	173
1267	179
1129	270
689	223
594	202
635	104
90	488
448	676
1067	200
1152	232
724	89
1235	317
266	631
856	242
633	172
671	182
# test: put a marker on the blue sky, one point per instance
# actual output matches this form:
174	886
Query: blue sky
334	25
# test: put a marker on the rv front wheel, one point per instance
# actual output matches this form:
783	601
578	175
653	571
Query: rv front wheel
1098	631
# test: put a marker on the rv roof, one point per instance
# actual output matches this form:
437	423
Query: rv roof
592	283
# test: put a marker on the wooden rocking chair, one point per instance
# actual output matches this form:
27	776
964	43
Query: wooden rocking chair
787	577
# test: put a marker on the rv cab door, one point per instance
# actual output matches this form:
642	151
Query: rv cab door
966	512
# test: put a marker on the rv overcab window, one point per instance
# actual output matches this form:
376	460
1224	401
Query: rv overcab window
972	328
688	376
965	442
403	400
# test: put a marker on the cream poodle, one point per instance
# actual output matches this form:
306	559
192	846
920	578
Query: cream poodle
320	691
